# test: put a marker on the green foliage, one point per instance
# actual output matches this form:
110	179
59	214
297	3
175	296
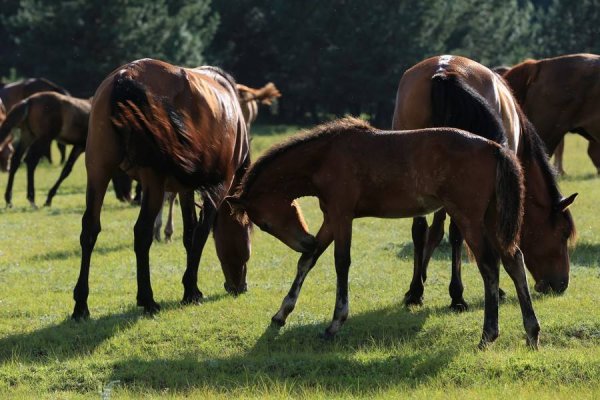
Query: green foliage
224	347
78	42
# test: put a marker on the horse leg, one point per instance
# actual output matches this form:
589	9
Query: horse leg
62	149
195	244
73	156
306	262
456	286
558	157
97	182
152	198
32	160
515	267
158	223
169	227
14	166
488	263
343	239
414	296
435	234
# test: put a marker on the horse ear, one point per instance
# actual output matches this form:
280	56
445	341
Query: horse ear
566	202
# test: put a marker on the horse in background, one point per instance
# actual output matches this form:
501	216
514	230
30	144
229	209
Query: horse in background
44	117
6	150
357	171
459	92
250	99
173	129
14	92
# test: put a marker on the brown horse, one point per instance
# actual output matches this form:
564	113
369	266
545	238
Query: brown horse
6	150
14	92
458	92
559	95
44	117
357	171
175	129
250	99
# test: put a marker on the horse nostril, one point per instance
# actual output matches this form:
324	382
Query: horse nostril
561	286
542	286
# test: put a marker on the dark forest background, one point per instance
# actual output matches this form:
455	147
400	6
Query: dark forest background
328	57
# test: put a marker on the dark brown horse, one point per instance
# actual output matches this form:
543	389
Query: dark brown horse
250	99
44	117
175	129
458	92
357	171
14	92
6	150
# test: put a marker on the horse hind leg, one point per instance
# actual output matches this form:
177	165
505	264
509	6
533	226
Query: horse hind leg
456	287
14	166
435	234
32	160
170	225
158	224
66	171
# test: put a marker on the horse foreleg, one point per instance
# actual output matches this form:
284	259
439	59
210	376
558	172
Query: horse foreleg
73	156
97	183
515	266
558	157
14	166
414	296
343	238
456	286
306	262
32	160
152	199
169	227
195	245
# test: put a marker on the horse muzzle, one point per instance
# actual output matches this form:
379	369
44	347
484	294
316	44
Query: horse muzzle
556	286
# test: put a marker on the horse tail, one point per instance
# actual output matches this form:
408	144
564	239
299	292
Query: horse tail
15	116
265	95
520	77
510	191
455	104
153	133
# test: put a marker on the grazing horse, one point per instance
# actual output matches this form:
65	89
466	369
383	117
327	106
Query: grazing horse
250	99
44	117
176	129
357	171
14	92
461	93
559	95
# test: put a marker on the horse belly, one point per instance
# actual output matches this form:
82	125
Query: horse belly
398	205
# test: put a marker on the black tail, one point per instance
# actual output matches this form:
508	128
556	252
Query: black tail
15	116
456	105
510	192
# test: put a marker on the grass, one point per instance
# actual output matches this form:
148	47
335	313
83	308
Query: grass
225	347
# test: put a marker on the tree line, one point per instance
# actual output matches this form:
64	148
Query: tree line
327	57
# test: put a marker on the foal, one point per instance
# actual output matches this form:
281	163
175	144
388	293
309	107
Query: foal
356	171
176	129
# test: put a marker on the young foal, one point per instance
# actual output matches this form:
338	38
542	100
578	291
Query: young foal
44	117
458	92
357	171
176	129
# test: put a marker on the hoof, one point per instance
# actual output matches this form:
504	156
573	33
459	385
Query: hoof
9	205
327	335
459	305
80	313
192	297
412	300
501	294
533	342
277	322
168	239
33	205
150	306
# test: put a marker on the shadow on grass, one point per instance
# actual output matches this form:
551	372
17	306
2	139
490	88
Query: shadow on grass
70	338
579	177
586	255
75	252
405	251
297	357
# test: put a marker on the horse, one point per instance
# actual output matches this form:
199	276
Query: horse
6	150
250	99
593	152
12	93
559	95
461	93
44	117
357	171
177	129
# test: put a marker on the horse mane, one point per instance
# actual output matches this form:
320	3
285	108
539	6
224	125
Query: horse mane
534	149
320	132
520	77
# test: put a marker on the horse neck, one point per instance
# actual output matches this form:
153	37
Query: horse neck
291	173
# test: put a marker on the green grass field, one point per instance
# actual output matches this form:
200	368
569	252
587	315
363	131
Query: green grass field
225	347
